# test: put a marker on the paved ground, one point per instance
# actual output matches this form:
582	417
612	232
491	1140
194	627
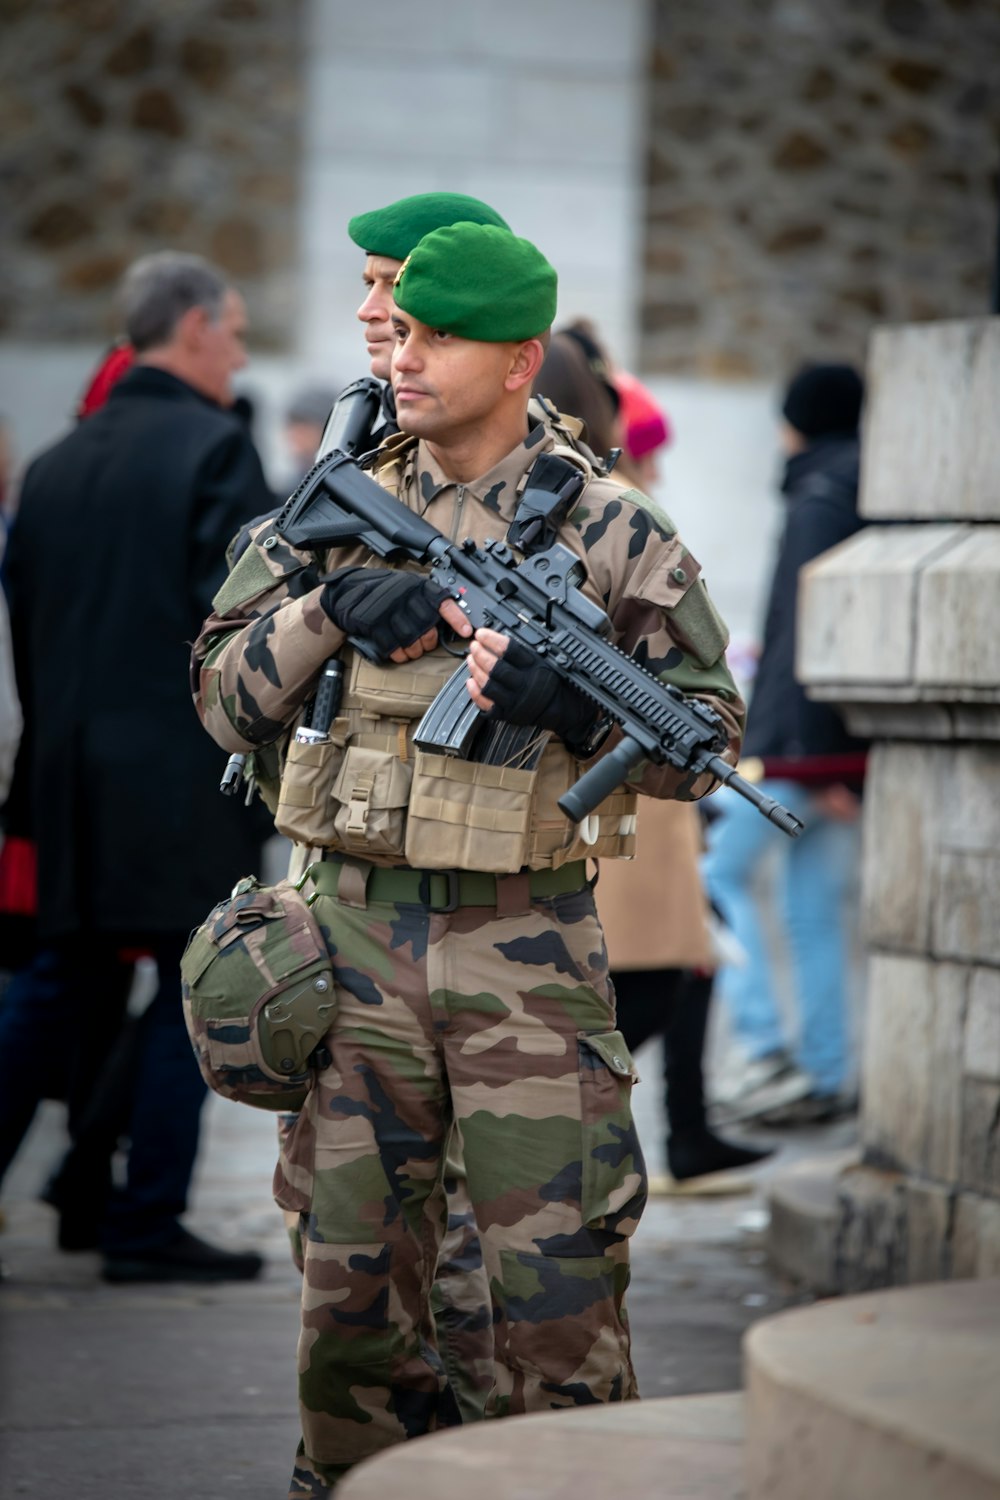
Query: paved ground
171	1392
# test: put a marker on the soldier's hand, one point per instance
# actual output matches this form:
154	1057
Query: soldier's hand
451	615
511	682
397	611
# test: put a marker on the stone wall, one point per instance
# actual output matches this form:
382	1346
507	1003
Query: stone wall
131	125
815	168
898	626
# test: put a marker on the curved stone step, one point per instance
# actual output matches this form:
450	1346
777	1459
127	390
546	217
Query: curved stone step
803	1202
888	1396
673	1447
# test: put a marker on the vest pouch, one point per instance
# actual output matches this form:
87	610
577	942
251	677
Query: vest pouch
370	795
258	996
607	833
468	816
304	811
400	690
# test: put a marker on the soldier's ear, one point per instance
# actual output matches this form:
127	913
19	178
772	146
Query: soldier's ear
525	363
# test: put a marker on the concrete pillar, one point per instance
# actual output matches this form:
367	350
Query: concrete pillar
900	626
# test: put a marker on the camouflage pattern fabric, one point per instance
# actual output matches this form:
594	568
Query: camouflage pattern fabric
460	1296
504	1026
460	1303
258	655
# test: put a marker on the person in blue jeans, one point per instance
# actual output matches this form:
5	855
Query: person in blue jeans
803	755
816	878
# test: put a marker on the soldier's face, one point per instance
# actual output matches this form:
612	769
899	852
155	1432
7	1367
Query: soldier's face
443	383
376	311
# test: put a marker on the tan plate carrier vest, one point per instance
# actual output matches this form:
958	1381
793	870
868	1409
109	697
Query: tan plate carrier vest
369	792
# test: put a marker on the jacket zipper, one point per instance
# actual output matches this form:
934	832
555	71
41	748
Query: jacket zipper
460	500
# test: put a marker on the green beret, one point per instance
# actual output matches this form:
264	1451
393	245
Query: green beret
479	282
394	231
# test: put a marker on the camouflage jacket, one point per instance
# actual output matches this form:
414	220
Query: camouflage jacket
256	661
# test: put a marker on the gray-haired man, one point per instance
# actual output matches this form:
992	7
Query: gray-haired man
118	549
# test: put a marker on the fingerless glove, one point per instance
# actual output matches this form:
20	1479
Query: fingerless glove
386	606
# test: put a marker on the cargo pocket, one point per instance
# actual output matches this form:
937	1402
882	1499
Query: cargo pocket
370	796
540	1299
614	1173
468	816
303	813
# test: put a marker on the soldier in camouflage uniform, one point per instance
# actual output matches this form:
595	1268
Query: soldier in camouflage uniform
460	1296
470	966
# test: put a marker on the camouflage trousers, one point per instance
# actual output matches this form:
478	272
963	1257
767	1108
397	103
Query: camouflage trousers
460	1296
502	1027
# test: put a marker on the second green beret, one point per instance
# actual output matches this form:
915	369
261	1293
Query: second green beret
396	229
478	282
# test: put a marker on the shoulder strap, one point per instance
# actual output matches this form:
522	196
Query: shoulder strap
569	431
391	459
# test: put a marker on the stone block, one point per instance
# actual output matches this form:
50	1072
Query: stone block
988	1246
931	444
929	1214
896	1064
804	1205
975	1240
971	719
857	605
982	1026
941	1152
896	872
980	1144
964	905
912	1066
624	1448
870	1242
520	33
964	1246
931	864
958	607
967	786
891	1396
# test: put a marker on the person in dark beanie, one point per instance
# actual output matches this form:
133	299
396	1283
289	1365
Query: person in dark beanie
808	761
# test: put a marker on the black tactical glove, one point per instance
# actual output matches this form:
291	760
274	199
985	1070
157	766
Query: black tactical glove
526	690
382	605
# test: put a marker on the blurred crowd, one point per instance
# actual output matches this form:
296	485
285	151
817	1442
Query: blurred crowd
109	784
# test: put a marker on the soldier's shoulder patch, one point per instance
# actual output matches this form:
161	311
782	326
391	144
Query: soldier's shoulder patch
250	577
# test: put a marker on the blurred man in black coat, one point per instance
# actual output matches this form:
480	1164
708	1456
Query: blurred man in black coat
117	551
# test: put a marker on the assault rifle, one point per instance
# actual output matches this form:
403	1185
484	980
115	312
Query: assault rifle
538	602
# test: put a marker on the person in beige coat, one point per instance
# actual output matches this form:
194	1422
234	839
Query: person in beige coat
654	909
655	918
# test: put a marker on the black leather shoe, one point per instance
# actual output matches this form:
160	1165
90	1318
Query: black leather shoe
80	1200
696	1153
186	1258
